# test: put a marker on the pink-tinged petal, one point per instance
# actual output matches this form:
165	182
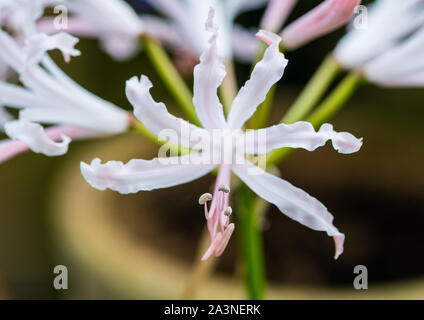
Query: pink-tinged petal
37	45
36	138
292	201
213	246
11	148
276	14
328	16
225	239
143	175
265	74
401	66
300	135
155	116
208	76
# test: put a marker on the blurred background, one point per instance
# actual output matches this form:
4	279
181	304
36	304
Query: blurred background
49	215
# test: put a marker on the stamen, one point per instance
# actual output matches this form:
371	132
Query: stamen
205	198
228	211
224	188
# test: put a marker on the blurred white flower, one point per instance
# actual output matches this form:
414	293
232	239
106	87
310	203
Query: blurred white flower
400	66
137	175
389	23
184	28
114	22
48	96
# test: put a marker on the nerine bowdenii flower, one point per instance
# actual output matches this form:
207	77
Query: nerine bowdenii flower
145	175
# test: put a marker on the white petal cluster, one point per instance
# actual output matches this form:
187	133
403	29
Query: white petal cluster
145	175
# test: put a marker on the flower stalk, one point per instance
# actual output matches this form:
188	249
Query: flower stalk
250	244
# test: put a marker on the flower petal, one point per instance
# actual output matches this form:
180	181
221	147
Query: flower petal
11	148
276	14
142	175
208	76
400	65
37	45
155	116
326	17
292	201
36	138
299	135
266	72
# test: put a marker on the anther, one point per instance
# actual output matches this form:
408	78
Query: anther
205	198
224	188
228	211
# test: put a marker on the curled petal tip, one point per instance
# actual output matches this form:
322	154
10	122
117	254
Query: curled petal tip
338	241
268	37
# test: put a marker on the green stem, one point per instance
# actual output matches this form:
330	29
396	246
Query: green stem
314	90
170	77
333	103
250	242
336	99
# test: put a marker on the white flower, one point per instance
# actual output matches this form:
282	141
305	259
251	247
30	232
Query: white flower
184	29
389	22
114	22
147	175
49	97
400	66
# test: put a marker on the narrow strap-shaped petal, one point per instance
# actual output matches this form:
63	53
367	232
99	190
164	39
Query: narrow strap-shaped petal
292	201
155	116
11	148
299	135
208	76
37	45
399	65
265	74
36	138
142	175
328	16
